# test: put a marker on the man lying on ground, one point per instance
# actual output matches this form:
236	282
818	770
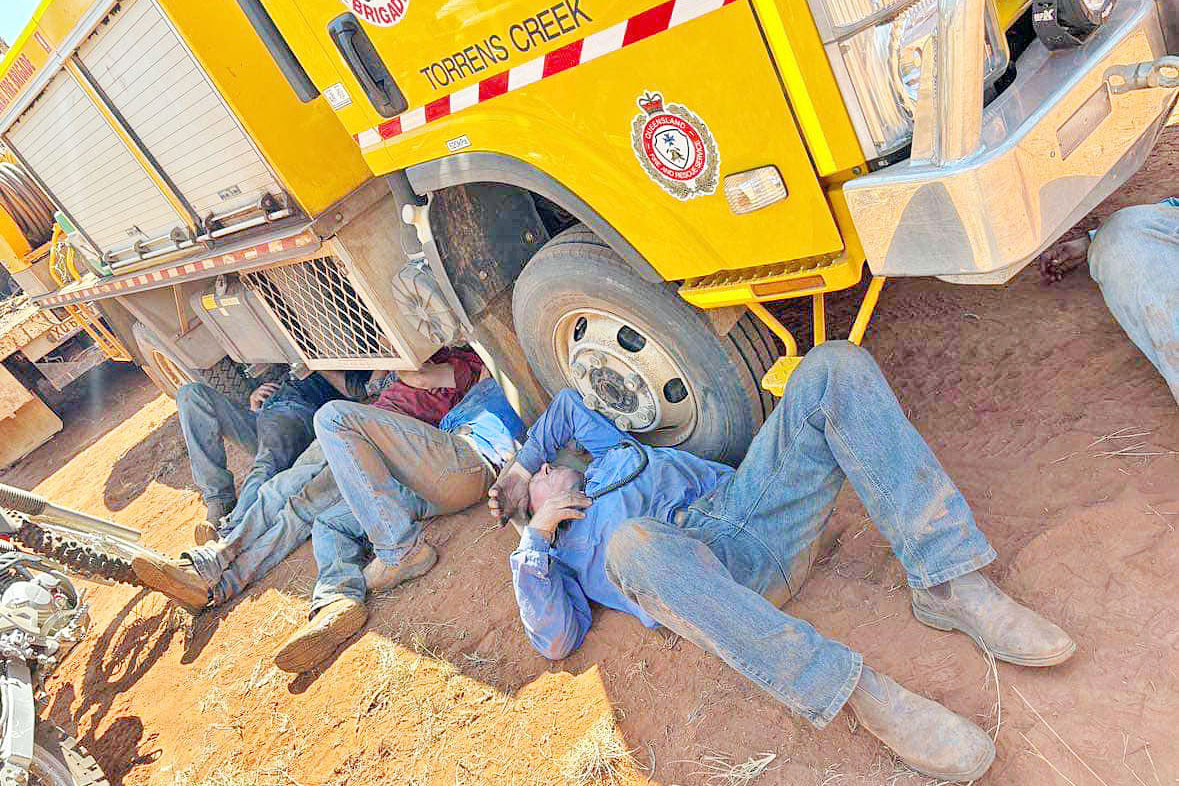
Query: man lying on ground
393	471
709	552
286	507
276	428
1134	258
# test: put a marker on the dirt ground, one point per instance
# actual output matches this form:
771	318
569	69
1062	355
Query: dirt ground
1059	432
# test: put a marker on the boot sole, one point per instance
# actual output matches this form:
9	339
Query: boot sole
955	777
941	622
156	578
302	654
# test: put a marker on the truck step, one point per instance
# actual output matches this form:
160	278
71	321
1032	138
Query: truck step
777	281
776	378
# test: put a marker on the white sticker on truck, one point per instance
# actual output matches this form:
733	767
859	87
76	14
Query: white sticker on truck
337	96
382	13
458	143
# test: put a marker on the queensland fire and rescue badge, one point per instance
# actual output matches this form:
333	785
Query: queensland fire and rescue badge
675	147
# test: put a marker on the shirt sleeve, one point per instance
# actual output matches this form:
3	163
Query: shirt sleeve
565	419
554	610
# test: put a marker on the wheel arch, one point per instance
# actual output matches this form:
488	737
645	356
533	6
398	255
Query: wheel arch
488	167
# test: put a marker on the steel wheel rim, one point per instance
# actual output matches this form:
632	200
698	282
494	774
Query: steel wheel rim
170	371
624	373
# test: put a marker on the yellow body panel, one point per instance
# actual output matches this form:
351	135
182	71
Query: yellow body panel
576	125
289	133
314	158
798	52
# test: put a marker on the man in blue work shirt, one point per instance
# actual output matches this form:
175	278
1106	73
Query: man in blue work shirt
393	471
1134	258
709	552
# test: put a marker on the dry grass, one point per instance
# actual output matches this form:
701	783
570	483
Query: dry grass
598	757
719	769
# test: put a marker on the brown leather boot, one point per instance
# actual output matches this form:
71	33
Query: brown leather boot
315	642
381	576
173	578
975	606
924	734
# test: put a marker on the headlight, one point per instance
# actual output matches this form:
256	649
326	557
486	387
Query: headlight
879	52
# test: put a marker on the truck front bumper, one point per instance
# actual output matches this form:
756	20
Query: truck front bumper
1052	147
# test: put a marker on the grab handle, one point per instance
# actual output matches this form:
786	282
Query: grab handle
366	64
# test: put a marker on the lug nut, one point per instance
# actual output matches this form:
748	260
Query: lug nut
634	383
623	423
596	360
647	415
578	368
591	401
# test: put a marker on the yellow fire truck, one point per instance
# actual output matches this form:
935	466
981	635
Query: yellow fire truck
597	194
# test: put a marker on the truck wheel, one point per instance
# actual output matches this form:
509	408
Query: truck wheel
638	353
169	373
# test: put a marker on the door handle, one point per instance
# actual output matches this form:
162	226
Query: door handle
366	65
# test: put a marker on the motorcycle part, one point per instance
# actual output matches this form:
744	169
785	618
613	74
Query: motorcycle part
35	505
86	559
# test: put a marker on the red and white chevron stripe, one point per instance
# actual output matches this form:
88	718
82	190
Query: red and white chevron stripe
175	274
637	28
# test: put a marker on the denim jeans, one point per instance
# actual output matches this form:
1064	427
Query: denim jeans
393	471
1135	260
716	574
276	436
262	534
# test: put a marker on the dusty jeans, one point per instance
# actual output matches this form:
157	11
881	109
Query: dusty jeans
262	534
276	436
1135	260
710	575
393	471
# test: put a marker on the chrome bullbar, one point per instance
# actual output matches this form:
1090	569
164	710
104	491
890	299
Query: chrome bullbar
976	206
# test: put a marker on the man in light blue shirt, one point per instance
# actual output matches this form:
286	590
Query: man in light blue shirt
1134	258
711	552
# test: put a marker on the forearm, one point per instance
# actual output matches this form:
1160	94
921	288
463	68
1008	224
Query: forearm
554	612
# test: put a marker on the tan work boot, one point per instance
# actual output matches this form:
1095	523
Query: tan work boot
315	642
382	576
175	579
1013	633
924	734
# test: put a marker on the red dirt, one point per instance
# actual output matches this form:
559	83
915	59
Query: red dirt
1013	386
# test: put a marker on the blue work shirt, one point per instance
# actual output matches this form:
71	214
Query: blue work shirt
553	582
485	416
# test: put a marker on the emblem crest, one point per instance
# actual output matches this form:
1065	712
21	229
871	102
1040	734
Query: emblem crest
675	147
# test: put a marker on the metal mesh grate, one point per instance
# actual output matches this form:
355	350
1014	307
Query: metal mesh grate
321	310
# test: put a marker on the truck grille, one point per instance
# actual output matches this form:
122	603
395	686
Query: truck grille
321	311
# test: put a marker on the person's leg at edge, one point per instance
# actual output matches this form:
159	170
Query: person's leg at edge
677	579
207	417
1134	258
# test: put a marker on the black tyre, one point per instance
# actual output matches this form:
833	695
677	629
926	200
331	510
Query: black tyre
168	372
644	356
59	760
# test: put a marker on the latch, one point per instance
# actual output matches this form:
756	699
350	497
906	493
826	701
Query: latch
1163	72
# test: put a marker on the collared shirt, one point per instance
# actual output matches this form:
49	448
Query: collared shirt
553	582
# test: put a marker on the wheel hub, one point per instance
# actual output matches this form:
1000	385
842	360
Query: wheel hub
625	375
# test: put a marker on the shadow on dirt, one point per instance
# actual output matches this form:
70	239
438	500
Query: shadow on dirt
159	457
124	653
